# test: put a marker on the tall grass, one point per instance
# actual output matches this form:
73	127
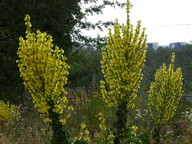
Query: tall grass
30	128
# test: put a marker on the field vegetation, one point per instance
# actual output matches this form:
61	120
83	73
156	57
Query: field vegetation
120	93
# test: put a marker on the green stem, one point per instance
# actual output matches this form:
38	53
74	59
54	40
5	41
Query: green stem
59	134
120	124
156	135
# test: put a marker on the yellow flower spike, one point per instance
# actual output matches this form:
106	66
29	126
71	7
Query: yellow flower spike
86	131
83	125
165	92
111	136
122	61
134	128
123	58
63	121
173	58
44	70
70	108
47	120
83	134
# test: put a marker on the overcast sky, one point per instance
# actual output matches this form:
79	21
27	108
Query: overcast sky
166	20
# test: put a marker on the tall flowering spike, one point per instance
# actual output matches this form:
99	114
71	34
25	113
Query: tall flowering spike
44	71
28	24
122	62
128	8
165	92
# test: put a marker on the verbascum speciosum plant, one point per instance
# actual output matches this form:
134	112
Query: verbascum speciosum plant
104	135
44	71
8	112
83	136
122	62
165	94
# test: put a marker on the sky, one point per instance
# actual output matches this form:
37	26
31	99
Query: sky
166	21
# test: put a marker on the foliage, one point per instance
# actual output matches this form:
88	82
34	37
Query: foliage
122	63
8	112
85	69
154	59
90	117
57	18
165	94
44	72
183	60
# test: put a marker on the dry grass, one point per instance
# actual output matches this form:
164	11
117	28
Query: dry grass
27	130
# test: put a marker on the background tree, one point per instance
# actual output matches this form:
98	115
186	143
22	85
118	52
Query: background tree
85	68
154	59
183	60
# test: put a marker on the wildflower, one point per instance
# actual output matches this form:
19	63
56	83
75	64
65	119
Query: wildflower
165	92
122	61
44	70
8	112
83	125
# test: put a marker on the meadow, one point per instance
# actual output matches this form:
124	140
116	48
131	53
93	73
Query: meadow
30	127
117	111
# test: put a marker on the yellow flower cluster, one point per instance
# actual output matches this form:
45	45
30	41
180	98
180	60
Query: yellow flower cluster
44	70
102	122
134	130
122	62
103	136
8	112
83	134
165	92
